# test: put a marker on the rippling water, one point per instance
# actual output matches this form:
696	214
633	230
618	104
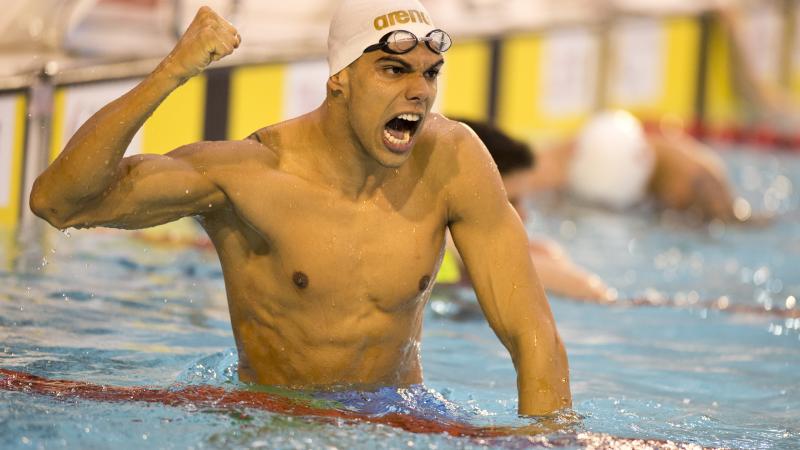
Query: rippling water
106	308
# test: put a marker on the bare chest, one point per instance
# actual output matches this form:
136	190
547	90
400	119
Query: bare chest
303	242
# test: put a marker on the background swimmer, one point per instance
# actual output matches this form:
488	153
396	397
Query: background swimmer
616	163
327	226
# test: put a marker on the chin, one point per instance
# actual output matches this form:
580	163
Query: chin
393	161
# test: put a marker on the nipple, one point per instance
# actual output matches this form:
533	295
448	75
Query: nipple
300	280
423	282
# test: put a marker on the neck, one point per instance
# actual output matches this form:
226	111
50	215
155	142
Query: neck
341	161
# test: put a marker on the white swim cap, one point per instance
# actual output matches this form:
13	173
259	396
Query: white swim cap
613	161
357	24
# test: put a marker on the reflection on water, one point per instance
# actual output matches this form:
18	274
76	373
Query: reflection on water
105	308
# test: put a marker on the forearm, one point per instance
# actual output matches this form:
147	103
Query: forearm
89	162
542	371
517	309
529	333
562	277
525	325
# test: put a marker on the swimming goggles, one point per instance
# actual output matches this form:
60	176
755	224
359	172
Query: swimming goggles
401	41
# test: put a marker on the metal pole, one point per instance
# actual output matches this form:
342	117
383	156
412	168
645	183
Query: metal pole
31	229
788	11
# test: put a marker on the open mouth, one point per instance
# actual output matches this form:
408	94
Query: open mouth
399	132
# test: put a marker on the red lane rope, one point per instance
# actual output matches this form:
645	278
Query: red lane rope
216	397
762	137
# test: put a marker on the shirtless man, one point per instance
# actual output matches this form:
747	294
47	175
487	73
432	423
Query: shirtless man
329	227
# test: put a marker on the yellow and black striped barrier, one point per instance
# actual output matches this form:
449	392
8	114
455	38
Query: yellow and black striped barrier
13	124
539	85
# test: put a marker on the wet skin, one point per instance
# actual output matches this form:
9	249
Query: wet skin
324	289
328	236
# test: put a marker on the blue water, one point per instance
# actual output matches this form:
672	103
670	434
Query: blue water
107	308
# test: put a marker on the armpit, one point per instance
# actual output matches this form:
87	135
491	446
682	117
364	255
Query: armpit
256	136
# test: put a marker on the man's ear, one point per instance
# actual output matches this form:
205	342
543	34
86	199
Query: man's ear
338	84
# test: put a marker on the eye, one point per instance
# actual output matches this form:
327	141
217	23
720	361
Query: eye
432	74
393	70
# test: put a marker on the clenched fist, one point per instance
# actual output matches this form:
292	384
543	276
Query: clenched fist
208	38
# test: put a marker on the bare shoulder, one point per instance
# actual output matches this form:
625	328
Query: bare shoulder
456	151
463	167
686	151
452	133
211	157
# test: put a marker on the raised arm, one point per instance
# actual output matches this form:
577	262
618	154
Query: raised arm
90	178
494	246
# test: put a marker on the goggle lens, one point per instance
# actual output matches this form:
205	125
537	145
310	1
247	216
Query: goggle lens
438	41
402	41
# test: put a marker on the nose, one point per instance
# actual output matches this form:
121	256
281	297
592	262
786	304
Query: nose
420	89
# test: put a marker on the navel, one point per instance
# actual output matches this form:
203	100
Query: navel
424	282
300	280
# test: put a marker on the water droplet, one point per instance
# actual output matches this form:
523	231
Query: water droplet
741	209
761	276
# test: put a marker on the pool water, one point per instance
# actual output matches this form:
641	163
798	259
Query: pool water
110	309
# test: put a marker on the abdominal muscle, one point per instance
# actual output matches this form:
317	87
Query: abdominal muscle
315	349
346	337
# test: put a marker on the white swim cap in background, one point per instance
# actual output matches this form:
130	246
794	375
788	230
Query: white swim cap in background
613	161
357	24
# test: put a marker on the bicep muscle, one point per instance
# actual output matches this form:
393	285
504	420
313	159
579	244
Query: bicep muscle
151	190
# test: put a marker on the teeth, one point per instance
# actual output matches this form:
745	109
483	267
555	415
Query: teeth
406	138
410	117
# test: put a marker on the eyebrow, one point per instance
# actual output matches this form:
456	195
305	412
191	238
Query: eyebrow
406	65
437	64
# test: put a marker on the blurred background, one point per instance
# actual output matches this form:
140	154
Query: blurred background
717	365
722	70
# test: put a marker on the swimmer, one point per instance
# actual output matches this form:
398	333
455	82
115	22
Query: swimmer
557	272
615	163
329	227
